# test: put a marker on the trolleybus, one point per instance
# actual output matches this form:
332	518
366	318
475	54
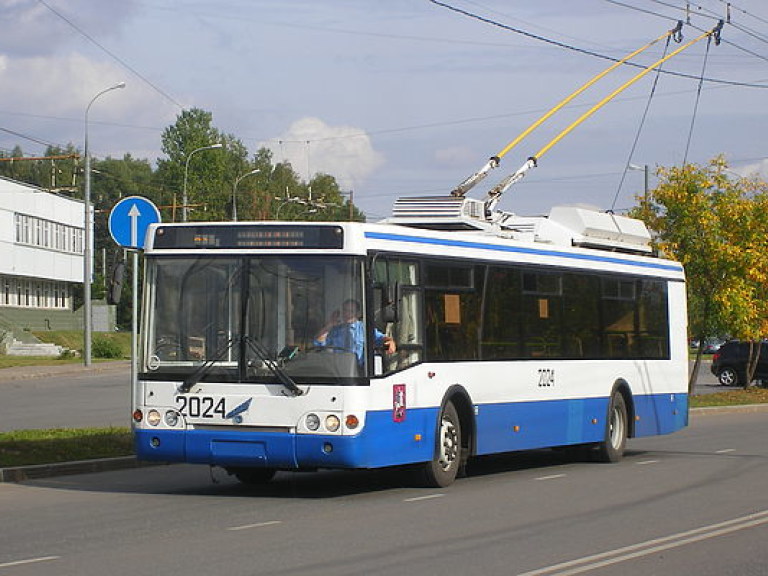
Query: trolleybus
462	336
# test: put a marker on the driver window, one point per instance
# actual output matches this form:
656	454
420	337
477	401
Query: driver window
397	291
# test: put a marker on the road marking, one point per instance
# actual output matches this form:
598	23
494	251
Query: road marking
589	563
644	462
29	561
249	526
550	477
419	498
726	451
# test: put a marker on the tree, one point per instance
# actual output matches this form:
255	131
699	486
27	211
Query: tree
210	174
716	227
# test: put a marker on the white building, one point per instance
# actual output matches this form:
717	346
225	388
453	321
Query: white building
41	257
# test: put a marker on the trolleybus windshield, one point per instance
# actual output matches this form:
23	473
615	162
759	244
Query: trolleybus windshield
254	319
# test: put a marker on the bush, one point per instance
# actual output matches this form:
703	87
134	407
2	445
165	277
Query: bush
105	348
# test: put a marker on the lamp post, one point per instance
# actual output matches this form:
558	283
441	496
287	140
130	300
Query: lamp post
234	191
184	207
87	312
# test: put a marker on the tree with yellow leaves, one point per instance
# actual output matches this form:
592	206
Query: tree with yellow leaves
717	227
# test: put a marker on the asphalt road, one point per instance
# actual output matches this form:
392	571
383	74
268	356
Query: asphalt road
75	397
65	397
690	503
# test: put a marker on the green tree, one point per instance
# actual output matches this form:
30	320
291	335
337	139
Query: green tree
716	227
210	174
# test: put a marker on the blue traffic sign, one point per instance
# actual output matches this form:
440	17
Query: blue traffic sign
129	220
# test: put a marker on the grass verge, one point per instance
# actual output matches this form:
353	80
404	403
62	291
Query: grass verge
30	447
737	397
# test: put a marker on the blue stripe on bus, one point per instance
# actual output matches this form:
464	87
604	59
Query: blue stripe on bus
520	250
383	442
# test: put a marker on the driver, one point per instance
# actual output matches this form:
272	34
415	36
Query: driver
345	330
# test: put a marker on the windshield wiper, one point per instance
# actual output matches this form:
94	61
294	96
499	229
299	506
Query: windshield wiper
272	365
205	367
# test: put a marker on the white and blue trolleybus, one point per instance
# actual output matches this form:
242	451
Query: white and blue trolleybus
443	333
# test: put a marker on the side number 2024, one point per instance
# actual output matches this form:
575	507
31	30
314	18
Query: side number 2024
546	377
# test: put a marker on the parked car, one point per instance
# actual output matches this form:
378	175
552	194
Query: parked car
711	345
729	363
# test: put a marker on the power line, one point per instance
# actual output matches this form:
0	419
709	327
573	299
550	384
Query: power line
583	50
111	54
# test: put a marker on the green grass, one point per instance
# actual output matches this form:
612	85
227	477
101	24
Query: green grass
73	339
737	397
29	447
16	361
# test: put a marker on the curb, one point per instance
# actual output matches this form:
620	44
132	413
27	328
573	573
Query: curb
39	471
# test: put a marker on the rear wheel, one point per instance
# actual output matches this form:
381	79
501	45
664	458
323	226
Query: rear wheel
728	377
442	469
612	448
253	476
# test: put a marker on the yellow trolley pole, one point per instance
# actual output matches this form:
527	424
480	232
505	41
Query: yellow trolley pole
495	194
494	161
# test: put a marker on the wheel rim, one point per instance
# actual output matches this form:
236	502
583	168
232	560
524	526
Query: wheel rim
449	444
727	377
617	426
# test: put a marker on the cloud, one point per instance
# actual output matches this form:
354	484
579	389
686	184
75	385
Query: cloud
312	146
759	169
33	28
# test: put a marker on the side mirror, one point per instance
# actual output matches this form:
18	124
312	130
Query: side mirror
390	302
116	283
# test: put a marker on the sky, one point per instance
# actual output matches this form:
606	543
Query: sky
397	97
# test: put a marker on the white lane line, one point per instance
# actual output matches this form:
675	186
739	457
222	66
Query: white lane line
29	561
249	526
419	498
596	561
726	451
644	462
550	477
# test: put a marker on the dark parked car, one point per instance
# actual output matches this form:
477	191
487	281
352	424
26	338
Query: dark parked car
729	363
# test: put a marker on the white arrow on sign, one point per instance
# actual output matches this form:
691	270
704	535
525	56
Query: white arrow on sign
134	214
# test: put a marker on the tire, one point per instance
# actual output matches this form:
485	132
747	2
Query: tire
441	471
616	429
728	377
253	476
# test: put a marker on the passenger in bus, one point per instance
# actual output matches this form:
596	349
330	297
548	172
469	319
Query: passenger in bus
346	331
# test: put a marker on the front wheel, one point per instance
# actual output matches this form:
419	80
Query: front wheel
442	469
612	448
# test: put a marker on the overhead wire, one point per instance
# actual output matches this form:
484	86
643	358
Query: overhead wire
639	131
584	51
698	98
711	16
112	55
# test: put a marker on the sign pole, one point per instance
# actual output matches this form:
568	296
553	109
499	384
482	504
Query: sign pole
135	321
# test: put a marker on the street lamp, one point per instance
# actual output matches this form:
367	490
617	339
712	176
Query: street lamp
87	313
184	207
644	168
234	191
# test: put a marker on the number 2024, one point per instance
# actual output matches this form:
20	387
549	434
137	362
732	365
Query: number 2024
546	377
201	407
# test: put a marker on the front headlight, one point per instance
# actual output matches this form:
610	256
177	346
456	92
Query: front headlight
332	423
153	417
313	422
171	418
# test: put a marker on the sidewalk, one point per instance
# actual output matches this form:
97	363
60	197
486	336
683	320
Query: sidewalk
28	372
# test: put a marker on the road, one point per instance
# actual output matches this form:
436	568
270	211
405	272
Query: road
101	397
690	503
71	398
